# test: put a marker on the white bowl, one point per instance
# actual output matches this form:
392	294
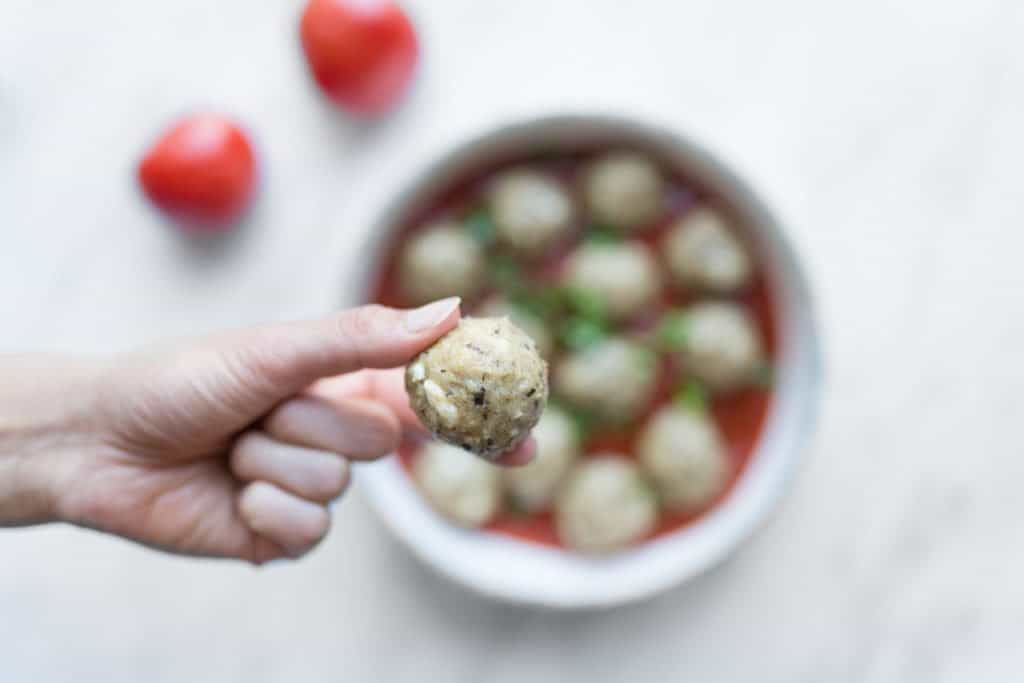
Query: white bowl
520	572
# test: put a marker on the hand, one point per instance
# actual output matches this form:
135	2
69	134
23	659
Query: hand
227	447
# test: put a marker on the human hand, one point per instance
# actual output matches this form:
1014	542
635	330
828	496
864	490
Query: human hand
230	446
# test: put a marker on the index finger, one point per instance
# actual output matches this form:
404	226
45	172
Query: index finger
388	387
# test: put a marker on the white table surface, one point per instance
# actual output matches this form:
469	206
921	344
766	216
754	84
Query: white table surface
889	137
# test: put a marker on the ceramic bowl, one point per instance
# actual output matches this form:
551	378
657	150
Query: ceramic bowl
515	571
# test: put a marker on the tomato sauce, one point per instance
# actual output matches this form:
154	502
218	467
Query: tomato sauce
740	417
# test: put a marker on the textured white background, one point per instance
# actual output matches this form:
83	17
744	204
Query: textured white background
889	137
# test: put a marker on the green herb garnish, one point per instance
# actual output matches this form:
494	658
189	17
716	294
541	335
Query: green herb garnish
764	376
507	275
585	304
543	302
673	331
692	396
602	234
481	226
586	423
579	333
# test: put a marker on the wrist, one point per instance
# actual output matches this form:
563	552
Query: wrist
45	425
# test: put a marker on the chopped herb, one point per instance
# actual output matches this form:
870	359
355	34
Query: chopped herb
506	275
481	226
542	302
602	234
673	330
586	423
579	333
692	396
764	376
645	360
586	304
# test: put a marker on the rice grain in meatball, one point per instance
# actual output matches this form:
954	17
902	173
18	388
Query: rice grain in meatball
613	379
605	505
683	455
722	347
482	386
624	190
460	486
532	487
702	253
624	277
531	211
439	262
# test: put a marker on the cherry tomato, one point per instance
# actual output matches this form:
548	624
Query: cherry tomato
362	52
202	169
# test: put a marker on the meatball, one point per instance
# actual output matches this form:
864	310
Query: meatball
481	387
623	190
531	211
623	276
605	505
701	252
441	261
532	487
722	347
683	455
462	487
523	319
614	379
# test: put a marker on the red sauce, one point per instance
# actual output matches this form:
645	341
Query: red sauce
740	417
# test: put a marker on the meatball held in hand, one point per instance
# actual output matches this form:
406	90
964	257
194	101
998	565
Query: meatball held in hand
463	488
441	261
482	386
683	454
605	505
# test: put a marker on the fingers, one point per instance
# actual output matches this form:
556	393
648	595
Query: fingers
315	475
522	455
386	387
353	427
288	521
289	357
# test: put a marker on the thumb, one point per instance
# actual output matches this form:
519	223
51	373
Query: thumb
280	360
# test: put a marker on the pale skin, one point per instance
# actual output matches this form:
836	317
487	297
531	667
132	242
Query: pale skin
229	446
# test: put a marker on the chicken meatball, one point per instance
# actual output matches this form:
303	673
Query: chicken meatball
682	453
702	253
605	505
721	346
441	261
531	211
460	486
482	386
624	277
623	190
532	487
529	323
614	379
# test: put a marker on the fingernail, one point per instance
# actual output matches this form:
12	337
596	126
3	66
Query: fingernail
426	317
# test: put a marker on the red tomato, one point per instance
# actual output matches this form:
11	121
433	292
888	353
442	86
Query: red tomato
362	52
201	169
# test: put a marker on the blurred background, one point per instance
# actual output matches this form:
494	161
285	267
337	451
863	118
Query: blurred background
886	135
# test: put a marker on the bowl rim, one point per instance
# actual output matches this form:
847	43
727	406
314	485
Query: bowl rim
485	563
